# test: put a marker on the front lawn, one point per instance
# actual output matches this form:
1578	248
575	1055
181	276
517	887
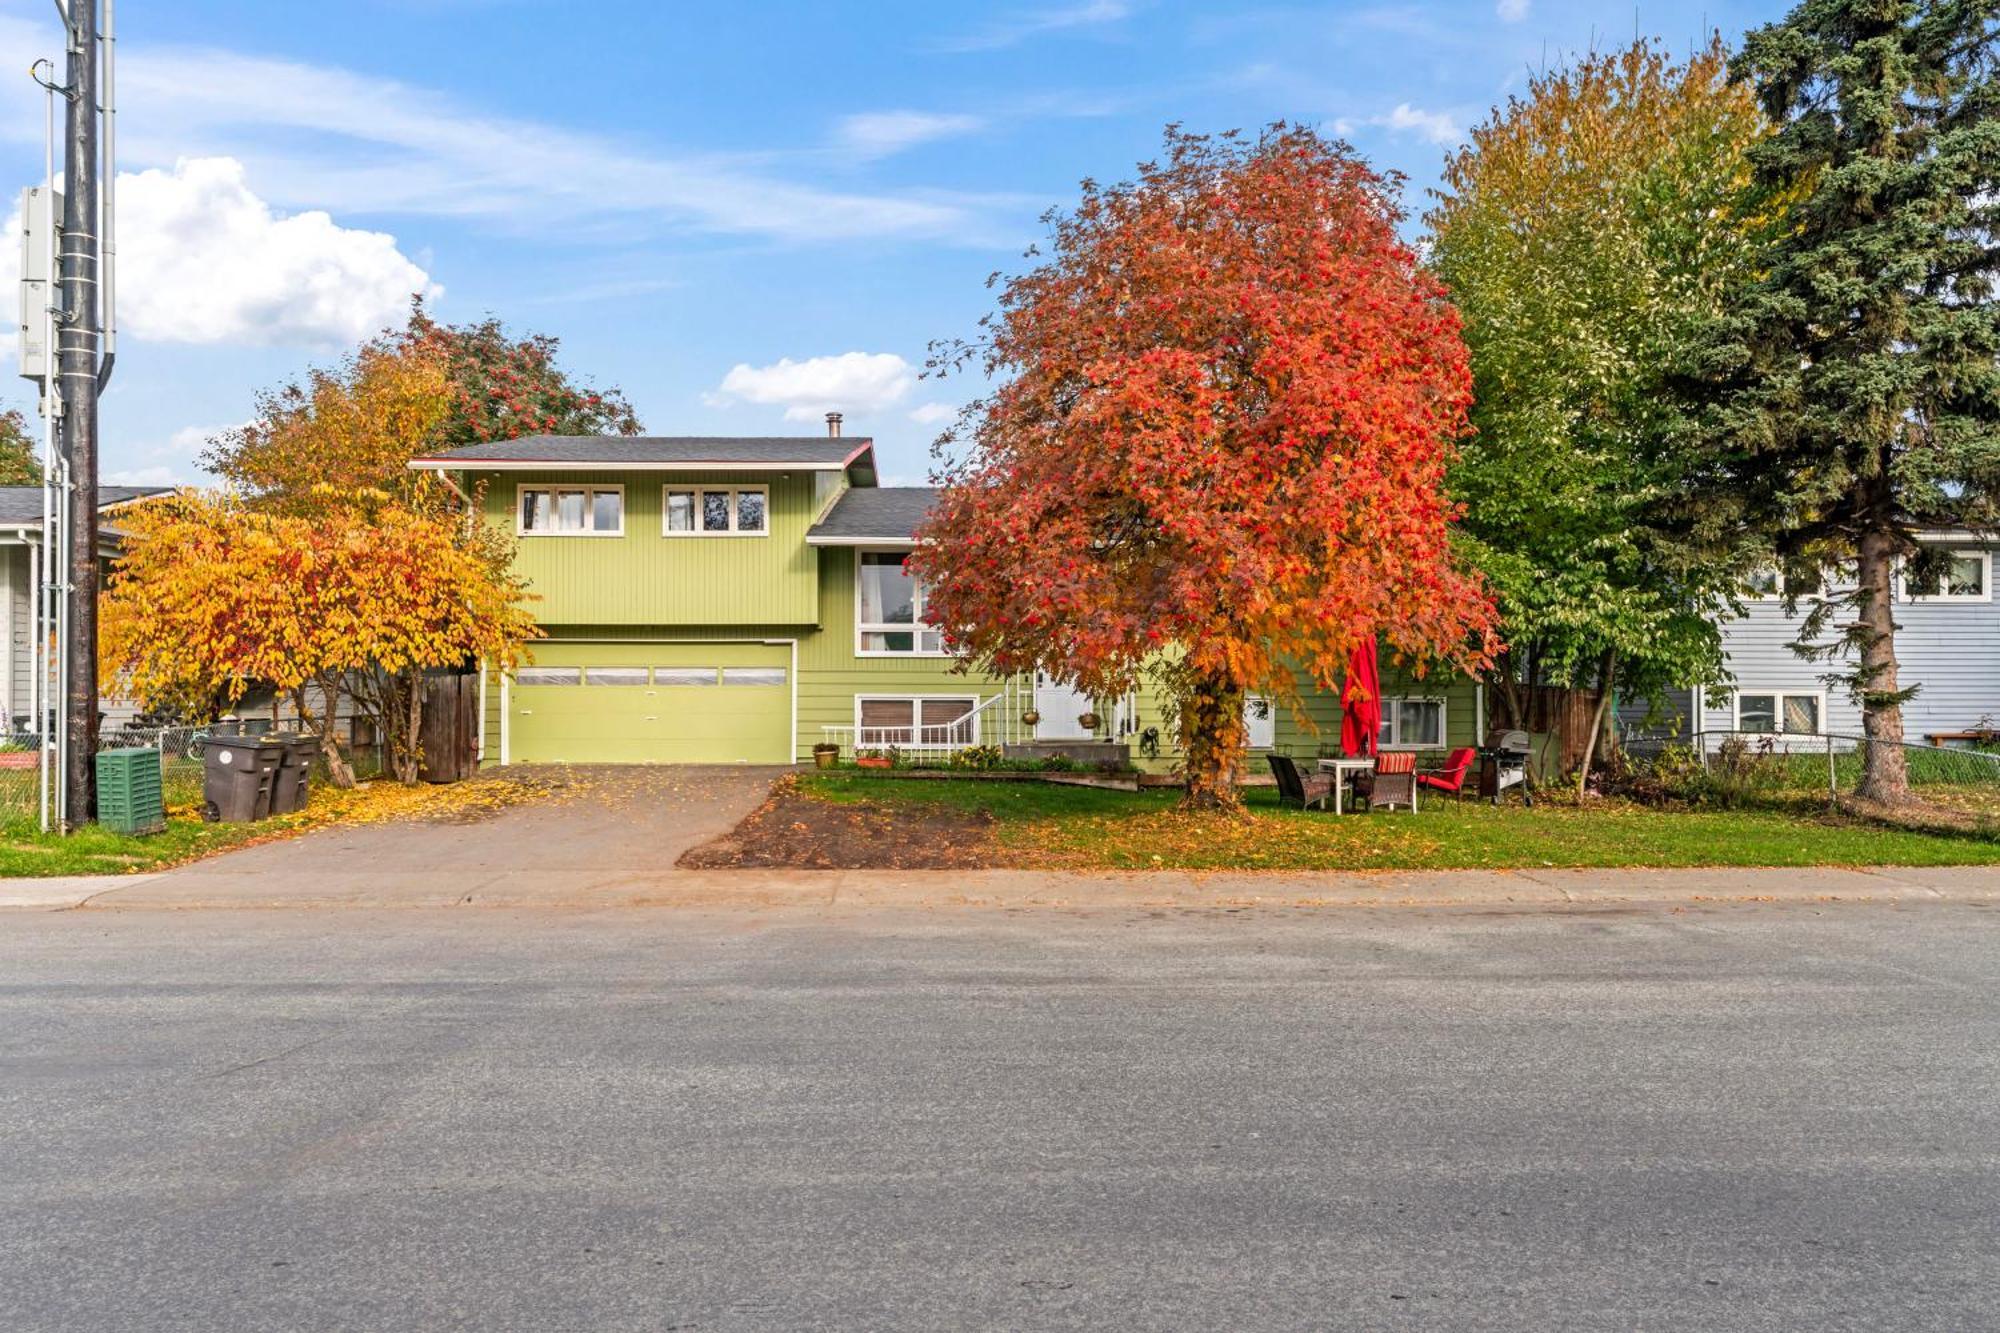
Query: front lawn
25	851
1035	824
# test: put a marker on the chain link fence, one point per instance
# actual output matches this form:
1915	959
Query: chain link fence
1729	765
180	766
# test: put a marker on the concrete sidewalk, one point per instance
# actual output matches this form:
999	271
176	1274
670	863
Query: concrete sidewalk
254	886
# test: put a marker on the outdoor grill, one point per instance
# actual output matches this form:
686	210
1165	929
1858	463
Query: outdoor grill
1504	764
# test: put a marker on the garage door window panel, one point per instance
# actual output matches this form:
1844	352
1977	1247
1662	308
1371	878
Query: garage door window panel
549	675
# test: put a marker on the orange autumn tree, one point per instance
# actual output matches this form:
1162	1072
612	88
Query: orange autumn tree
212	596
1228	399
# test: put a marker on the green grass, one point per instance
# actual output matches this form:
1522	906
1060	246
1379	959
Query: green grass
1077	826
26	851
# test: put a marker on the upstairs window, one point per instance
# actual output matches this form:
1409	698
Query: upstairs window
1962	576
701	511
571	511
889	609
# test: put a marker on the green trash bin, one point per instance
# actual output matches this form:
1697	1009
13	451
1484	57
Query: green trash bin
131	795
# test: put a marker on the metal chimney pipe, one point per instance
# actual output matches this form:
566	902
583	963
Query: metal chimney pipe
833	425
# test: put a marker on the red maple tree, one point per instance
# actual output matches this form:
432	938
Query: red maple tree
1228	397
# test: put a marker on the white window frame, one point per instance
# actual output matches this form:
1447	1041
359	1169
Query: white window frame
916	629
590	494
1985	593
916	702
1392	722
1778	697
698	490
1250	703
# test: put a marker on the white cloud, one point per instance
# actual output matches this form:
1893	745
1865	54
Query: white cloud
202	259
1017	28
169	463
1436	126
933	414
849	382
873	134
320	136
1511	11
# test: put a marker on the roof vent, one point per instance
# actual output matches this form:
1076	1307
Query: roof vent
833	425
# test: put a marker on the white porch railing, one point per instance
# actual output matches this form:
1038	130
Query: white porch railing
994	720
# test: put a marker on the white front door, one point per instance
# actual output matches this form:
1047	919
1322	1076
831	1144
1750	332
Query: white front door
1060	705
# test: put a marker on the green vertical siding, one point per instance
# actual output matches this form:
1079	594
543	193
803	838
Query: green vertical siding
646	578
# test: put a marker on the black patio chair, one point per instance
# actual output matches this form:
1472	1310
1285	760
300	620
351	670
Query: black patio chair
1297	789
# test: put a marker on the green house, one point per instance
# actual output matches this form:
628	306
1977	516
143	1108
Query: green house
741	600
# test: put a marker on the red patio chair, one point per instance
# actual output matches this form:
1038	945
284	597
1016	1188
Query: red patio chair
1395	779
1450	778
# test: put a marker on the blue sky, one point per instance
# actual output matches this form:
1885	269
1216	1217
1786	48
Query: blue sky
741	214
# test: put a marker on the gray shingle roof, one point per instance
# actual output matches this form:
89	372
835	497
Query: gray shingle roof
809	451
23	504
886	512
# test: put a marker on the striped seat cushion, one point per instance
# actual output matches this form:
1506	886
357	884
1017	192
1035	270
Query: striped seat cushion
1398	761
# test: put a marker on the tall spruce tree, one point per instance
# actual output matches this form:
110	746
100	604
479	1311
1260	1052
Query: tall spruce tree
1853	394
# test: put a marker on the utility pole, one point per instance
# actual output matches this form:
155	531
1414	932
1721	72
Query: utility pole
77	332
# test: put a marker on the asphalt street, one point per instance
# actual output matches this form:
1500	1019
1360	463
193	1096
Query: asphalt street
1742	1117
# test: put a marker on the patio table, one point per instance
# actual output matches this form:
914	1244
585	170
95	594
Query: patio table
1341	768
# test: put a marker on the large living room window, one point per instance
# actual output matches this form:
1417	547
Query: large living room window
889	609
570	511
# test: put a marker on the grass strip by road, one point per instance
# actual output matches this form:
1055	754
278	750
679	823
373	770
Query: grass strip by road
1035	824
25	851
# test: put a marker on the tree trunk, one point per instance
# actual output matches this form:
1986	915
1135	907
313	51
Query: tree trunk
1212	737
1605	679
338	770
1884	773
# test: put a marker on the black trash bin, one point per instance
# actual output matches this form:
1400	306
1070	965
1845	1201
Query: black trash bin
238	774
291	783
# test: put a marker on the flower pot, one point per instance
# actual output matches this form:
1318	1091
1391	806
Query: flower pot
873	761
1031	718
1088	721
825	755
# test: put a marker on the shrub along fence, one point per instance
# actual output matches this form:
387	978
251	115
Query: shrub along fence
1729	766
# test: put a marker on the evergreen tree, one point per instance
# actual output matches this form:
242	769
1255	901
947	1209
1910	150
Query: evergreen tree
1852	393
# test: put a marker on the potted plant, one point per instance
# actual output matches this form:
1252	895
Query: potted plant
825	754
874	759
1088	721
1031	718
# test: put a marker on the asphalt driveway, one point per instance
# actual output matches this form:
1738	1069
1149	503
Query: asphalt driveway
602	828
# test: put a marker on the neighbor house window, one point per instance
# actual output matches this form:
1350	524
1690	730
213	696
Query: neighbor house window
889	608
1413	724
1770	712
700	511
1964	576
571	511
915	720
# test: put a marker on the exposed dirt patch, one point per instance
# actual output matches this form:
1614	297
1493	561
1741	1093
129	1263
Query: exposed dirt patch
790	831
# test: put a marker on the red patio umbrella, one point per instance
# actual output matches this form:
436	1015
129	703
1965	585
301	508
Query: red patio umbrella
1361	702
